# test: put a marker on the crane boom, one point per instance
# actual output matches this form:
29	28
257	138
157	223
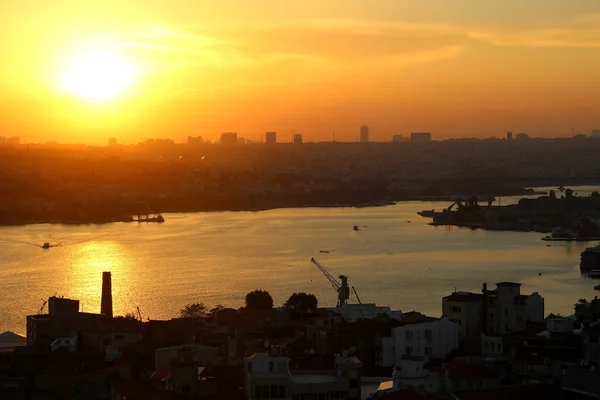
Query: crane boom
342	288
330	278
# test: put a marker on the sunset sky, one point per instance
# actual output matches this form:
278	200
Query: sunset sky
76	72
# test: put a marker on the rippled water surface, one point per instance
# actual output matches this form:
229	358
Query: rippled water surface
395	259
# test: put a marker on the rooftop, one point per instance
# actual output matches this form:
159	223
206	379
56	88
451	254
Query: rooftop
464	297
508	284
304	378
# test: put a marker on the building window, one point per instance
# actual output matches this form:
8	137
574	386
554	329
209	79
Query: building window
271	366
409	334
506	326
264	391
249	366
353	383
258	391
427	351
280	391
428	334
487	345
456	309
408	350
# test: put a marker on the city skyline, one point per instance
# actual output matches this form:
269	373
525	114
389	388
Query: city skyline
84	73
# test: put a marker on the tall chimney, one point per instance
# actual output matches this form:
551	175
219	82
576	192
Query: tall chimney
484	309
106	306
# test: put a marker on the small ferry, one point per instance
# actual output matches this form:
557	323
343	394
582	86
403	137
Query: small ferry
46	245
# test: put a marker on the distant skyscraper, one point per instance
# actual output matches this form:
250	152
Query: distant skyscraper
241	140
112	142
521	136
420	137
13	141
509	136
364	134
297	138
229	138
398	138
271	137
195	140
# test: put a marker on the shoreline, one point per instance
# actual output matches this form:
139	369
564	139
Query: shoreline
185	210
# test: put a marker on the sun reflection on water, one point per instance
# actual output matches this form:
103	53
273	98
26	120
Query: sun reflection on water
89	260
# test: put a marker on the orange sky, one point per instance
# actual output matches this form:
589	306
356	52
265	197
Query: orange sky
452	67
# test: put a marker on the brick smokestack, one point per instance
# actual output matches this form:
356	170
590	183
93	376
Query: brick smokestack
106	306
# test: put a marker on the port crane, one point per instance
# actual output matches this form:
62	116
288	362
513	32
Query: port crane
342	288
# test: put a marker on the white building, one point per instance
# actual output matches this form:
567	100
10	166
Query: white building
428	338
506	310
353	312
267	376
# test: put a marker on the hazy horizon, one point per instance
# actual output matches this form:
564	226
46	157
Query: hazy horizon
453	68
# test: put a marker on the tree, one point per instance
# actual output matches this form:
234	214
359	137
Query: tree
259	300
194	310
215	310
302	302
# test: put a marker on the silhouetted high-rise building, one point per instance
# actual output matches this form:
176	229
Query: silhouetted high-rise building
13	141
106	305
112	142
509	136
398	138
521	136
271	137
364	134
241	140
229	138
420	137
297	138
194	140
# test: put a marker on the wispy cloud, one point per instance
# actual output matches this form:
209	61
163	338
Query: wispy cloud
426	56
540	38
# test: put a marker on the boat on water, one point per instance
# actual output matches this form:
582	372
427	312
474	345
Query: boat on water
324	251
569	235
46	245
159	218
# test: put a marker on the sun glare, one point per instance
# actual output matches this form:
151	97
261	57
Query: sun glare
98	75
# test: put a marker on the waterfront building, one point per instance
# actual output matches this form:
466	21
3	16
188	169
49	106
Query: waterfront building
112	142
521	136
398	138
297	138
509	136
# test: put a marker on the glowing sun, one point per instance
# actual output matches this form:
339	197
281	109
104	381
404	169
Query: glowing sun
98	75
